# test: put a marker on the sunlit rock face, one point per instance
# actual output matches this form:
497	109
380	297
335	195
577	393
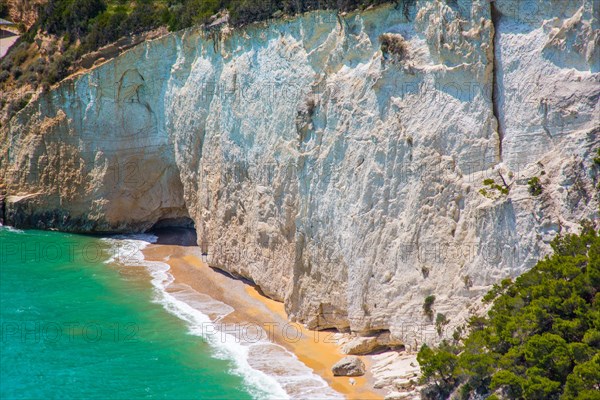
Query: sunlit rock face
336	161
92	154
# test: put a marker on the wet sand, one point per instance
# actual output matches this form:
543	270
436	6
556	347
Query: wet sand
317	350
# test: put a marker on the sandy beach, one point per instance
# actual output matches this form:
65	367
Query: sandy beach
317	350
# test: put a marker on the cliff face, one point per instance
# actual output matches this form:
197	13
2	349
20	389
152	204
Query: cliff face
344	180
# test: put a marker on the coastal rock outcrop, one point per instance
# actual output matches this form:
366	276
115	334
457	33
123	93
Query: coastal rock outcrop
349	366
362	345
349	165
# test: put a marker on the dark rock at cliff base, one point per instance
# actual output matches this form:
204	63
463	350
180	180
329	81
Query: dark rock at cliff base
1	209
349	366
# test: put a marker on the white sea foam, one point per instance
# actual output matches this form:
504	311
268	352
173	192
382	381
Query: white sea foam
10	229
269	371
127	249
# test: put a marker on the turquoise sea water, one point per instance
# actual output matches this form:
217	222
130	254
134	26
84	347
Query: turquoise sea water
74	327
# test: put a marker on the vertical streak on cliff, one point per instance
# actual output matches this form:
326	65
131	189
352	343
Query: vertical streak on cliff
495	89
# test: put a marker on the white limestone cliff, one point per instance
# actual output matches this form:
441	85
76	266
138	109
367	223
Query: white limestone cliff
343	181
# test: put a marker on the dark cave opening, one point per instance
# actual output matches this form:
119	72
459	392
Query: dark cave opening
175	231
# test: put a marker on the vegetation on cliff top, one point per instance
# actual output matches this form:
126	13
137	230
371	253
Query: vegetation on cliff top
98	22
3	9
540	339
68	29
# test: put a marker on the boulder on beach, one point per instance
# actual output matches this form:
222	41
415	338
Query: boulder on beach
349	366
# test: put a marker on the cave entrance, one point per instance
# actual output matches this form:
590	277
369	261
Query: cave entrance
175	231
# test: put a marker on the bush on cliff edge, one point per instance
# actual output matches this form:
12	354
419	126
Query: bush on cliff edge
540	339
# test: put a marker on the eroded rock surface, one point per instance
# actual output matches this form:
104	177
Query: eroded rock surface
349	366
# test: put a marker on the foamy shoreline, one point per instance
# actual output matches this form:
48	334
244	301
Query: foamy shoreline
277	359
128	250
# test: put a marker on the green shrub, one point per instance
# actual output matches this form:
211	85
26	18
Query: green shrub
440	322
39	66
59	67
438	368
104	29
18	104
493	188
540	338
20	54
29	35
28	77
535	186
4	75
70	16
246	11
3	9
6	63
17	72
597	159
457	334
427	306
393	46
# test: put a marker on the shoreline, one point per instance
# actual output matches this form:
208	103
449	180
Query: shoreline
317	350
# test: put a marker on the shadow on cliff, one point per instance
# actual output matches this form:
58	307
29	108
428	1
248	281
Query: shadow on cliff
179	232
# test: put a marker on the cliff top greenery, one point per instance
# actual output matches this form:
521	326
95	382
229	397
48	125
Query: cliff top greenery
98	22
77	27
3	9
78	17
540	339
